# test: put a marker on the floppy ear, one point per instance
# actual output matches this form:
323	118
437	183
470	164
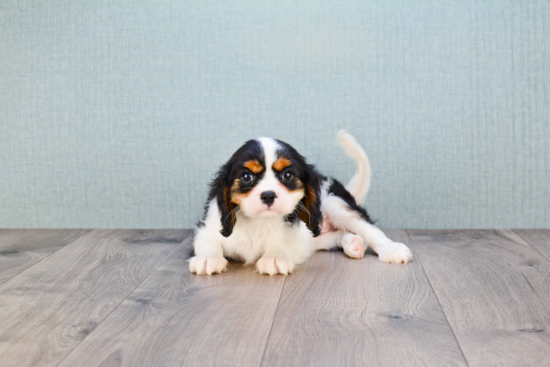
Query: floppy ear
221	190
310	210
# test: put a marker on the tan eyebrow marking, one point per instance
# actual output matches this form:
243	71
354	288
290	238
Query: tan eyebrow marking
254	166
281	163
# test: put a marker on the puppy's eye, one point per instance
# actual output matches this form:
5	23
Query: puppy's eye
247	177
287	176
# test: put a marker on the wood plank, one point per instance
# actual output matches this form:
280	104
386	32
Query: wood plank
176	318
50	308
337	311
495	292
22	248
539	239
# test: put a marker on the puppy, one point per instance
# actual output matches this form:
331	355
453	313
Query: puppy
268	206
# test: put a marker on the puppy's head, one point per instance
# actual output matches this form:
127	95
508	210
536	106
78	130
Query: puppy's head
267	178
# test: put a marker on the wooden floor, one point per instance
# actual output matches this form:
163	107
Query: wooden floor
125	297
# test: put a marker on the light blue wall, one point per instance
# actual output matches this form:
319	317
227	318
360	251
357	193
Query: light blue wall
118	113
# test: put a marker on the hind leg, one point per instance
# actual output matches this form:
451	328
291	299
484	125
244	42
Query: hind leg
328	240
387	250
343	217
352	244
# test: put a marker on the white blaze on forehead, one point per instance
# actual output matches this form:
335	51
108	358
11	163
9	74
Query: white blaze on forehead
285	202
270	147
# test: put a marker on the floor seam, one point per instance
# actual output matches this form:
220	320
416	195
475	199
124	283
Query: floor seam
417	258
273	322
529	244
44	258
183	243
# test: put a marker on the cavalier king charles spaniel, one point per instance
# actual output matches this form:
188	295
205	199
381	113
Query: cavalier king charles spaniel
268	206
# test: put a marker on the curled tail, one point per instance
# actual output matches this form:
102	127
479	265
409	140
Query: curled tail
359	184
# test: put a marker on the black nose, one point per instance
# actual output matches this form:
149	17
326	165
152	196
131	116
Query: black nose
268	197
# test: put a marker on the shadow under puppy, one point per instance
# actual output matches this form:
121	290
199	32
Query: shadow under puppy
268	206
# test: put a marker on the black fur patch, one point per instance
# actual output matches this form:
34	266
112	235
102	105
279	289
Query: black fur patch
234	169
304	176
337	189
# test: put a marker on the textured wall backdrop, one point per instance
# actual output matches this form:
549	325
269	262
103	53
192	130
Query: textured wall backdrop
118	113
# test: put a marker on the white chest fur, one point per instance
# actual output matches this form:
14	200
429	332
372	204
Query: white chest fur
253	238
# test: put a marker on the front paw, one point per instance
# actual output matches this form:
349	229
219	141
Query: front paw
395	252
207	265
273	265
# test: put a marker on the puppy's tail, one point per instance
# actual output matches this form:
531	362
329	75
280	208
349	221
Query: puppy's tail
359	184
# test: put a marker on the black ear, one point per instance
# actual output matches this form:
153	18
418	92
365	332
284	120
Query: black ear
221	190
310	210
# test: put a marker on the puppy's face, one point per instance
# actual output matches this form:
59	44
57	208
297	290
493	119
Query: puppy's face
267	178
268	184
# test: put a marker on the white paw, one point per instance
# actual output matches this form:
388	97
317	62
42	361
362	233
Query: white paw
353	246
395	252
273	265
207	265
